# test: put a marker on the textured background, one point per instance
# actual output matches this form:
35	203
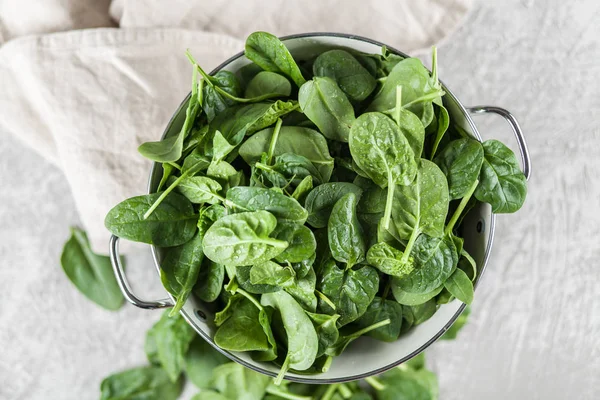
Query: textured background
534	330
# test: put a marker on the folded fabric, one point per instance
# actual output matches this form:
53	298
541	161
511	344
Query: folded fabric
27	17
405	24
87	99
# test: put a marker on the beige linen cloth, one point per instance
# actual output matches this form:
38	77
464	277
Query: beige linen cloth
86	98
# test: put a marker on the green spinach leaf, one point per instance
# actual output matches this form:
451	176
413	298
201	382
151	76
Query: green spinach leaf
345	234
148	383
266	83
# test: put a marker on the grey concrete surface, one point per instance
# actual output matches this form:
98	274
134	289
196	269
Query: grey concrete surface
535	326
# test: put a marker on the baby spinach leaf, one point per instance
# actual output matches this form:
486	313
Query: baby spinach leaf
404	383
351	290
243	239
172	223
304	142
303	189
501	182
284	208
320	201
302	340
270	273
242	331
210	281
303	290
442	124
234	381
380	310
461	162
200	360
460	286
345	234
416	83
214	101
383	153
148	383
339	65
412	129
270	54
167	342
422	206
242	120
200	189
421	312
412	299
325	104
388	260
326	328
266	82
242	274
303	267
301	242
290	168
179	270
91	273
434	261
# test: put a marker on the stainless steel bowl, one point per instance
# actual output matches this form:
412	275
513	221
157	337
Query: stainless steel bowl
365	357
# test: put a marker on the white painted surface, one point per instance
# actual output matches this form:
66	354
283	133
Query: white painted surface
534	331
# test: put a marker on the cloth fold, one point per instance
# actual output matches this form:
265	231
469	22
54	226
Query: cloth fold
86	99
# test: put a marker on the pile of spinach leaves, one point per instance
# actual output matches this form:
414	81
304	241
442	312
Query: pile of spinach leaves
315	202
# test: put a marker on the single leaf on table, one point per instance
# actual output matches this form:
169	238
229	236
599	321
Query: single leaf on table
325	104
350	290
460	286
148	383
388	260
302	340
320	201
501	182
252	198
461	162
434	261
243	239
266	82
380	310
339	65
345	234
179	270
200	360
167	342
91	273
268	52
304	142
301	242
172	223
210	281
234	381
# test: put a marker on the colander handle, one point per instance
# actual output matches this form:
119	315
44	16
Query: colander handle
512	121
115	260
